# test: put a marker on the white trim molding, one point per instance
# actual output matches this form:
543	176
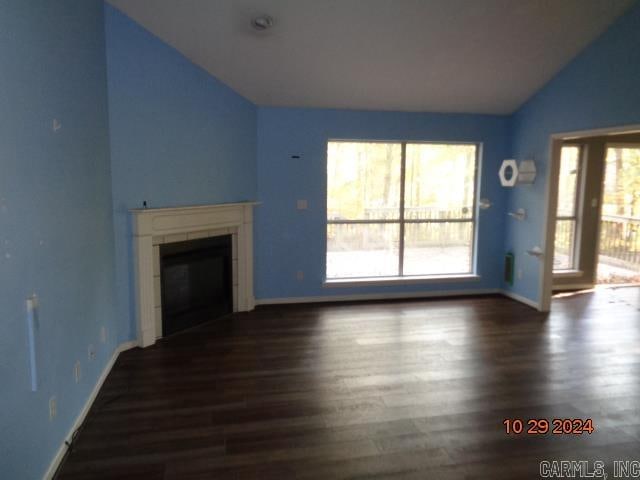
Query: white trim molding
57	459
573	286
398	296
376	296
153	227
567	273
404	280
545	280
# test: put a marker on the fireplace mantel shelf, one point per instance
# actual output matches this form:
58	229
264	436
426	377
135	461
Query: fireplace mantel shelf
138	211
155	226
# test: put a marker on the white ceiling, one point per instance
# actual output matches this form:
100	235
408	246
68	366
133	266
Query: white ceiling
480	56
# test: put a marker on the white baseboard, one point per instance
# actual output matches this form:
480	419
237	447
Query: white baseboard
394	296
521	299
376	296
55	463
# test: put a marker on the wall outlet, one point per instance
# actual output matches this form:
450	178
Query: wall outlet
77	371
53	408
302	204
300	275
103	335
91	352
519	274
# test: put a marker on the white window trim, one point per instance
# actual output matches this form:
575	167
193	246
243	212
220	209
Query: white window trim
414	279
567	273
574	269
397	280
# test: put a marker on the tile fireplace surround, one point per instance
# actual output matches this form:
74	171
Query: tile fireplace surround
155	226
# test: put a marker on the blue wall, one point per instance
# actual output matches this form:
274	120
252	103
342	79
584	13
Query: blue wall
288	240
56	235
178	137
599	88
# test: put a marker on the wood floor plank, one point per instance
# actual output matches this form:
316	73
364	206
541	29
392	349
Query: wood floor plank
387	390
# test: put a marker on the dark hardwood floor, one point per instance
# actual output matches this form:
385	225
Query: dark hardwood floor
402	390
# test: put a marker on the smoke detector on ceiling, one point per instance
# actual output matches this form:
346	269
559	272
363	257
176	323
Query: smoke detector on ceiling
262	23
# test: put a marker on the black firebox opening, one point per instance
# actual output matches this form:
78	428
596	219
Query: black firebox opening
196	282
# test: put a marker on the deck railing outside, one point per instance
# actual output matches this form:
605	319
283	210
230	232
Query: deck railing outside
620	240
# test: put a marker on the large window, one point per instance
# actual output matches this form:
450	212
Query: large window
565	245
400	209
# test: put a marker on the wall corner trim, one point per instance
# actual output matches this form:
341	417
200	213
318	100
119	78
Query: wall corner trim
60	454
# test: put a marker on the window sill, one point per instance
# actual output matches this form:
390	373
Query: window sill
409	280
567	273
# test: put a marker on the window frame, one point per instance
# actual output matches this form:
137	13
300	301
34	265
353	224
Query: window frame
402	278
576	218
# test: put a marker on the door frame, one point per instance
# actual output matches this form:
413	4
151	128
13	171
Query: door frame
551	201
607	145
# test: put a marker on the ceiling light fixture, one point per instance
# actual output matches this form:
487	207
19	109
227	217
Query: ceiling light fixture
262	23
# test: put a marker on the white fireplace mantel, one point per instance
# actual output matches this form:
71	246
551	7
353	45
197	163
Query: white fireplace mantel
155	226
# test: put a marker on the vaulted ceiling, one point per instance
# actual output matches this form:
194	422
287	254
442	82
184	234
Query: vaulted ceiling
480	56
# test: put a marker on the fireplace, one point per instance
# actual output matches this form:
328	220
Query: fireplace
160	232
196	282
